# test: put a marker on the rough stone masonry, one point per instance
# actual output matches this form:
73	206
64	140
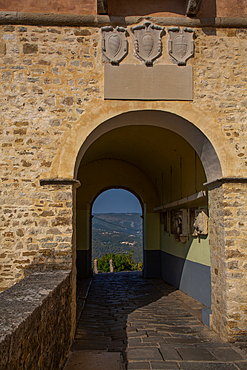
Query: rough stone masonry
52	92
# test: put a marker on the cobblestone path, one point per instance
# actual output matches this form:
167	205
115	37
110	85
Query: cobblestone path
147	324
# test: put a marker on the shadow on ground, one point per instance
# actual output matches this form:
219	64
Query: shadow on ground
133	323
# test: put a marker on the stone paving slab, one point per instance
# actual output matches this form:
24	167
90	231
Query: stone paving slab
241	365
143	354
225	354
164	365
92	360
169	354
195	354
139	366
149	325
207	366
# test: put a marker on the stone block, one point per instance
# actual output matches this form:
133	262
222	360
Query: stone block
30	48
2	48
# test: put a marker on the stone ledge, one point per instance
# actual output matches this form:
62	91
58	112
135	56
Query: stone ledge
29	321
60	182
225	180
50	19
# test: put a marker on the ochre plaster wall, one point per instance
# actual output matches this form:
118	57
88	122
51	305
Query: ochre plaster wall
49	6
164	8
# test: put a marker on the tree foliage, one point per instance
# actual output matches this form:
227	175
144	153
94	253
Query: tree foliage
121	262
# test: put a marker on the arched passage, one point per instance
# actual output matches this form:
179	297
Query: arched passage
162	158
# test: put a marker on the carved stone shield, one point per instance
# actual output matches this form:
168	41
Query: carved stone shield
147	42
114	44
181	44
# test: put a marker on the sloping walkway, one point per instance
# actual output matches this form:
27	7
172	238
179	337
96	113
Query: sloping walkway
133	323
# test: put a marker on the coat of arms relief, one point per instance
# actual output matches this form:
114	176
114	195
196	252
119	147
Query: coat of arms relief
114	44
181	44
147	42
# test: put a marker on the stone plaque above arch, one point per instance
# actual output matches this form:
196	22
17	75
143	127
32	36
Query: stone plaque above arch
138	82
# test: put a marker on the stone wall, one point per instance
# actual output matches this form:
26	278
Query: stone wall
38	229
52	98
228	204
36	322
217	254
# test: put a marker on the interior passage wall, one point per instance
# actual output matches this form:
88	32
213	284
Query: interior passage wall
187	265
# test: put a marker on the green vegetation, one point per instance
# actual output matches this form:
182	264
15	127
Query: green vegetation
121	262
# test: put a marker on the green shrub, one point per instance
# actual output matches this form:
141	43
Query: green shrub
121	262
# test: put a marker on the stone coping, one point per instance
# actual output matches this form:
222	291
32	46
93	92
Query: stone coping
19	301
50	19
225	180
58	181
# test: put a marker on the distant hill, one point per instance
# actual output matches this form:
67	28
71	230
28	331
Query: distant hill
117	233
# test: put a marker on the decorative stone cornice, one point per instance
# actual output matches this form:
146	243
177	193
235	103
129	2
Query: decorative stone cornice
193	7
225	180
43	19
57	181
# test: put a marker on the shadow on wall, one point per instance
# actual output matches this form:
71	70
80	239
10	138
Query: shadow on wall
190	277
158	8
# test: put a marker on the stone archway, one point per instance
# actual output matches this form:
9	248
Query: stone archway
223	301
125	163
175	123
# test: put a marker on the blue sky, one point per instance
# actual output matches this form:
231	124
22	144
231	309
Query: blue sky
116	201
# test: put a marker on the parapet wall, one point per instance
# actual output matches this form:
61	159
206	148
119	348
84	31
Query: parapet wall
36	325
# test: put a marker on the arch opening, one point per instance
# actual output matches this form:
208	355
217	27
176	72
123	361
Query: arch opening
156	118
117	228
157	161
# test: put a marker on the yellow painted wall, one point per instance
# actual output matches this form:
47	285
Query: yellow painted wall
192	250
82	229
152	231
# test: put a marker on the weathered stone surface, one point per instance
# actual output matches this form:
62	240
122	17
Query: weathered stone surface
36	322
2	48
30	49
92	360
